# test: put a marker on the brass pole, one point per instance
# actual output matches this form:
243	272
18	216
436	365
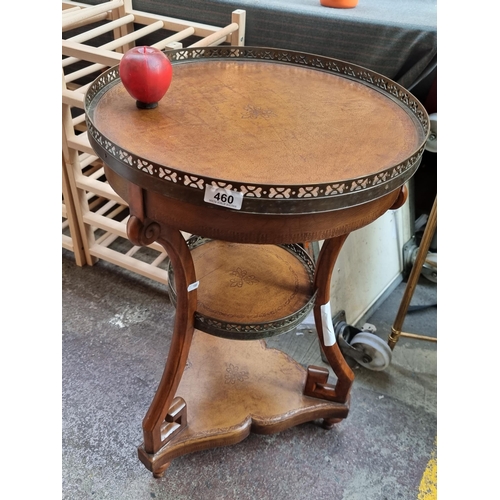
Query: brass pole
417	337
411	284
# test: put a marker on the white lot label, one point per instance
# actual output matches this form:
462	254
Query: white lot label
223	197
326	321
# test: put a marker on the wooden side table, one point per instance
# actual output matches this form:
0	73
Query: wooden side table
252	151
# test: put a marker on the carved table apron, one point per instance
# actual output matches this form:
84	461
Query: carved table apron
253	151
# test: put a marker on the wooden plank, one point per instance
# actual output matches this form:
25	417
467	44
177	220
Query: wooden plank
73	98
96	174
67	243
106	239
125	29
100	30
159	259
90	54
115	44
70	10
81	143
239	17
93	68
69	211
97	187
131	264
111	209
103	222
71	18
169	41
85	22
217	37
79	120
133	251
173	24
86	160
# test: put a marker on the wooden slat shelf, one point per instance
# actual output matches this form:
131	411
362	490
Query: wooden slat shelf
94	38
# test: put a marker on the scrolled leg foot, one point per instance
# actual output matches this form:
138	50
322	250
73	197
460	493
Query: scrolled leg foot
328	423
160	472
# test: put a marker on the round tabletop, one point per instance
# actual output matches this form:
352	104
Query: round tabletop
276	131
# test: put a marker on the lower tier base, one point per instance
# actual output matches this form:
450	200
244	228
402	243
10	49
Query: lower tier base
232	388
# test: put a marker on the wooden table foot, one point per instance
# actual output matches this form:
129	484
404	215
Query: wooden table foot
160	472
329	423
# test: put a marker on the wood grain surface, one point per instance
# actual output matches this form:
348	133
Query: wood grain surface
217	374
249	283
256	122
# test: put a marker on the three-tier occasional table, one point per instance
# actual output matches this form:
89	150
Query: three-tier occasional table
253	151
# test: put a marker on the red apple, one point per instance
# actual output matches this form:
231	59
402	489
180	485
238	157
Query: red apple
146	74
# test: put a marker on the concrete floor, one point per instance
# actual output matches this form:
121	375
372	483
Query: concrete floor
116	334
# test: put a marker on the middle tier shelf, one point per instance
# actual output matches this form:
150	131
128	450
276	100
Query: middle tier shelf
249	292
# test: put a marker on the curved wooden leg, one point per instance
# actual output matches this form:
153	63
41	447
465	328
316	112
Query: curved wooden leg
164	419
317	378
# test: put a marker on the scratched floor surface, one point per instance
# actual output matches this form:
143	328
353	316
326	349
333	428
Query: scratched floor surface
116	334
